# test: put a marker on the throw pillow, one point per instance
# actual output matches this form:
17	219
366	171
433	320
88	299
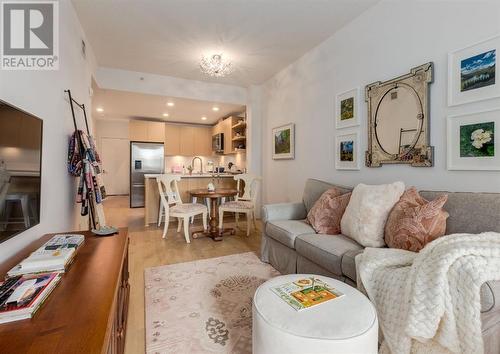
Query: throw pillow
366	214
414	221
326	213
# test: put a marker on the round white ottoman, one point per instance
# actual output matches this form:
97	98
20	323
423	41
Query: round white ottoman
344	325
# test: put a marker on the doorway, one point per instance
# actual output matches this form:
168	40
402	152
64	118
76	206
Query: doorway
115	156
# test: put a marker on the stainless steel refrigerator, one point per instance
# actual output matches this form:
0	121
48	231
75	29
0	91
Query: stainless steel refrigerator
145	158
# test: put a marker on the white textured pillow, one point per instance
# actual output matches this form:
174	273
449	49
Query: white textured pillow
366	214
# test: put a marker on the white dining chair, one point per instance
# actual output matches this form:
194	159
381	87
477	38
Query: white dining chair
172	205
246	204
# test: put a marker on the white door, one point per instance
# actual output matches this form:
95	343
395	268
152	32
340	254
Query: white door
115	156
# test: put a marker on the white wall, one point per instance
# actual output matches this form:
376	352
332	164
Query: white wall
41	93
384	42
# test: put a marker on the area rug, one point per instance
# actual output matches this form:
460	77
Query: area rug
203	306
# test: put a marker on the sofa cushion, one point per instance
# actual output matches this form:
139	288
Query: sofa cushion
326	250
315	188
327	212
365	216
415	221
285	231
349	264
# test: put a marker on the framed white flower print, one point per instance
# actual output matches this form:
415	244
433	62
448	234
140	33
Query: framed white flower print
347	109
347	151
473	142
473	72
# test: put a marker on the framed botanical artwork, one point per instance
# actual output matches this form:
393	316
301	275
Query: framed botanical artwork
473	73
284	142
473	142
347	151
346	109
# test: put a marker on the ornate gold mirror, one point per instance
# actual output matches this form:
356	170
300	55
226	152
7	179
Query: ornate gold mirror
398	119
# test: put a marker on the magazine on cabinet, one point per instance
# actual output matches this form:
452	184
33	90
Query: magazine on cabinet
54	256
306	293
22	296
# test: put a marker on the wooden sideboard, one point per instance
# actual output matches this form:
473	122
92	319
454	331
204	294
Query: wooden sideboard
86	312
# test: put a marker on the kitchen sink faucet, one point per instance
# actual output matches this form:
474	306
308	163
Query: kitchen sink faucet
201	163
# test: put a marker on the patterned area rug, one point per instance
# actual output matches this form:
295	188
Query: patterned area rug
203	306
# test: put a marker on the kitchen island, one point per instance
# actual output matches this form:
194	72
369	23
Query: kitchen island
187	182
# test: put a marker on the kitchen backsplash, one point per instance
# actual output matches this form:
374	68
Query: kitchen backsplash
172	162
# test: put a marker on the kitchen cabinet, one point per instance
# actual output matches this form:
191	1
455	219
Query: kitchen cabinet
202	141
172	140
156	132
224	127
187	140
227	131
140	130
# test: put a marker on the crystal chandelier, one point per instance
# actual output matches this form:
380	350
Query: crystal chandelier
216	65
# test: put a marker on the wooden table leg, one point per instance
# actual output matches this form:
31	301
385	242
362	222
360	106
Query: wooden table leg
213	230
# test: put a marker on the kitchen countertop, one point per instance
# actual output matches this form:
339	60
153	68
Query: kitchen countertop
194	175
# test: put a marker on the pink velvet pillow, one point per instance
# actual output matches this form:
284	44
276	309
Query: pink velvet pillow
414	221
326	213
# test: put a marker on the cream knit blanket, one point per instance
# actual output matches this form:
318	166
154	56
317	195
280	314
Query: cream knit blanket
429	302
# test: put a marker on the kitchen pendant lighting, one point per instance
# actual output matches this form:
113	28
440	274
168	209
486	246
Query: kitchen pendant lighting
216	65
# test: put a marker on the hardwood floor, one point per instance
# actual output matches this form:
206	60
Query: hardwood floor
148	249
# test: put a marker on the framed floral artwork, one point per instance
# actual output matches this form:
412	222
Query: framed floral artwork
346	109
347	151
284	142
473	142
473	72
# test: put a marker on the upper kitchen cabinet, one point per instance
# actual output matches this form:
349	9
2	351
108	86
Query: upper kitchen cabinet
203	141
140	130
172	140
186	140
226	127
156	132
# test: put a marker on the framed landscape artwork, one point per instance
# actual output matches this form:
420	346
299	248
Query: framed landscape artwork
473	142
347	152
473	73
346	109
284	142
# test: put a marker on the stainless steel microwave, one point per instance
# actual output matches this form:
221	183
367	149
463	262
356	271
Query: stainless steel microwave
218	143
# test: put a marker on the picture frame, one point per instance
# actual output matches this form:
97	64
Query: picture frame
347	156
473	142
474	73
347	109
283	142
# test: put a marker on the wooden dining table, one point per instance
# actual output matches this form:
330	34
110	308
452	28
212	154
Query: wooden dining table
213	231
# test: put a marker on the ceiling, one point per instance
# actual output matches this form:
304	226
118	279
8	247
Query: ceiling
130	105
168	37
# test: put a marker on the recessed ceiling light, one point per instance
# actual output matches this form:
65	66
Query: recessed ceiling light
203	118
170	104
100	109
215	109
165	114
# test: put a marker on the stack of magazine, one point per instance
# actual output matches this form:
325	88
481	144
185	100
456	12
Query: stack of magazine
21	297
54	256
30	282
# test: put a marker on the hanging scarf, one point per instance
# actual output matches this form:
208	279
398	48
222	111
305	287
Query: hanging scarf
83	162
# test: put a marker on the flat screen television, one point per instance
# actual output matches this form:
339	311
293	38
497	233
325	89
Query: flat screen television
20	170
